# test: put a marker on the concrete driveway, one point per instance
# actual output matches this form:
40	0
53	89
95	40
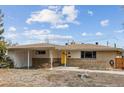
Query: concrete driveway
119	72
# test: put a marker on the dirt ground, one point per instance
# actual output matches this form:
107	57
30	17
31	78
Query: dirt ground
49	78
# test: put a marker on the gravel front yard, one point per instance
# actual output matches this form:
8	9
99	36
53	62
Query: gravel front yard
48	78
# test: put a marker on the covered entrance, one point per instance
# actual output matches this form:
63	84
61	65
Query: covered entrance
48	58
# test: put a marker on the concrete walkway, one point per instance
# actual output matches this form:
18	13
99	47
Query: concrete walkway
121	72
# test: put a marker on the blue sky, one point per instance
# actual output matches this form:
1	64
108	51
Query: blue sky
60	24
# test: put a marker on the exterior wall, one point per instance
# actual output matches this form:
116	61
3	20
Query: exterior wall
104	56
55	53
40	56
40	61
44	62
20	58
100	62
88	64
75	54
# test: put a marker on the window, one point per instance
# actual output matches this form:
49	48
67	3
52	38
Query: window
94	54
82	54
88	54
40	52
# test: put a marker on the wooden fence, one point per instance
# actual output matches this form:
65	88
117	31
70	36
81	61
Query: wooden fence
119	63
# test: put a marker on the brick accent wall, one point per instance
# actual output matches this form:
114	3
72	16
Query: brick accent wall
77	62
44	62
88	64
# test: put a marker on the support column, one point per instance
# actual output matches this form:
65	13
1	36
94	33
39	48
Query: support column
28	59
65	58
51	59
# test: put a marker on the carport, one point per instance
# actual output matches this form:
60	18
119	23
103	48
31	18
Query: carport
23	55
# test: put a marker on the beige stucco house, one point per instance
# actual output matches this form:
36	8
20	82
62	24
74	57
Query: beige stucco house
33	55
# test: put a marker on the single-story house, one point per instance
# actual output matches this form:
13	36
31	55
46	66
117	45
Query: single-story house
33	55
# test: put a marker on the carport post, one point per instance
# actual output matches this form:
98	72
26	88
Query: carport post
65	57
51	60
28	59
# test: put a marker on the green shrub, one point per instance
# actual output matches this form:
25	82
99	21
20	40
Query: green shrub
6	63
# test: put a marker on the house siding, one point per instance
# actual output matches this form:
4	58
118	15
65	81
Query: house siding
104	56
101	61
20	58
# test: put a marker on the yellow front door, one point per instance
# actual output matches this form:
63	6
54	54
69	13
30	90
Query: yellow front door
63	57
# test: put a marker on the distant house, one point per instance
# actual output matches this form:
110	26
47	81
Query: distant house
34	55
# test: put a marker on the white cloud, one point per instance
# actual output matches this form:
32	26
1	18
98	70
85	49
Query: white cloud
11	33
45	15
54	7
84	34
99	34
61	26
92	34
11	36
104	22
57	19
70	12
119	31
90	12
36	33
12	29
44	34
87	34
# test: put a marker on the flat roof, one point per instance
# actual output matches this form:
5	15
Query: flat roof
85	47
34	46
